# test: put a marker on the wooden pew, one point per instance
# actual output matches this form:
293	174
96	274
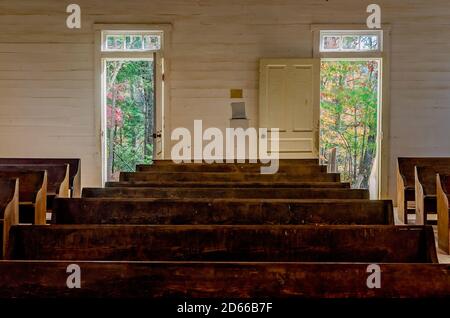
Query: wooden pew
9	208
282	162
221	211
406	180
74	169
32	194
226	193
443	210
227	184
261	243
227	177
57	178
230	280
227	168
425	190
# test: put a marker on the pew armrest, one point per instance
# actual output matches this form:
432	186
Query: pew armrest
64	187
443	211
401	204
11	217
76	186
40	209
420	200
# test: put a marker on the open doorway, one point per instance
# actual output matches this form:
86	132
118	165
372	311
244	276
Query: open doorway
130	108
350	120
130	67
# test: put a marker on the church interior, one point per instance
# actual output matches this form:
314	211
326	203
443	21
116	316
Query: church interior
225	150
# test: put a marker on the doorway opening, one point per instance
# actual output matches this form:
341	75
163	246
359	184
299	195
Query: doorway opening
130	114
350	113
130	67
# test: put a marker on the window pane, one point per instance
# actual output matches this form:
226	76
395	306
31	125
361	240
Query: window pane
152	42
350	43
369	42
134	42
115	42
331	42
128	41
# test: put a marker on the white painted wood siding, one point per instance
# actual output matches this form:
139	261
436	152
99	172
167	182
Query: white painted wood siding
47	71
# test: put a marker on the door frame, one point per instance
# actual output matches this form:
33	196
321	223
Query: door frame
384	103
162	88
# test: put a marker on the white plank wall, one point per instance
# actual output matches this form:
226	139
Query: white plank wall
47	71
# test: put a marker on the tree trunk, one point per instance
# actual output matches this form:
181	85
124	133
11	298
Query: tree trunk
111	138
111	134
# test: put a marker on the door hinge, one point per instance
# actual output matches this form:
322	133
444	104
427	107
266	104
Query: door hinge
163	77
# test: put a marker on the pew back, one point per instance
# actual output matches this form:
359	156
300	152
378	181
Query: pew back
156	280
226	184
444	180
406	180
57	176
74	169
32	194
227	168
228	177
426	177
405	166
425	190
247	193
282	162
262	243
221	211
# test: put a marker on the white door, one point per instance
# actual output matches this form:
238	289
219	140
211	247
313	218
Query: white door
290	101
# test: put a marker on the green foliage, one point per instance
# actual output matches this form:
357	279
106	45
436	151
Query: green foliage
130	102
349	103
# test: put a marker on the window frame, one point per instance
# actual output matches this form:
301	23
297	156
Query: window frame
343	33
124	33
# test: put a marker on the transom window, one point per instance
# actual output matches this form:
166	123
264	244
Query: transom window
351	41
131	41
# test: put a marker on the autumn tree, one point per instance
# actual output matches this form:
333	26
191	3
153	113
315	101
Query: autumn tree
130	107
349	103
